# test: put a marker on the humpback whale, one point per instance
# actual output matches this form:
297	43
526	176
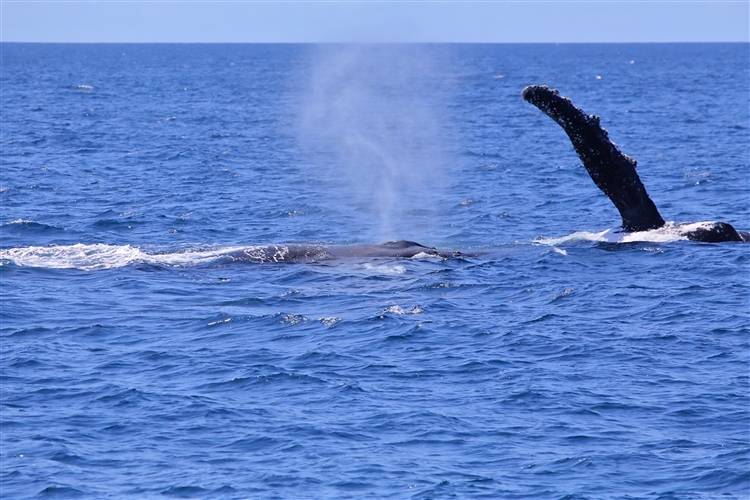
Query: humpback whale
310	253
614	172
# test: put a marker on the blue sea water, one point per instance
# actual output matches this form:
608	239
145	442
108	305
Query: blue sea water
138	363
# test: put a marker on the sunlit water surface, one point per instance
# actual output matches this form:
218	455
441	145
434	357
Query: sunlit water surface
548	362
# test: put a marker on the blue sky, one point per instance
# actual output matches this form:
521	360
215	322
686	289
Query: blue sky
374	21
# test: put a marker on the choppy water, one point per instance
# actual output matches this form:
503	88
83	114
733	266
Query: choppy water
137	363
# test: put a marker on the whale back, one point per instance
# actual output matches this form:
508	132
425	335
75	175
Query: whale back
716	232
313	252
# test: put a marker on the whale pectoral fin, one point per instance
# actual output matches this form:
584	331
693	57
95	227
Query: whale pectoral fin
612	171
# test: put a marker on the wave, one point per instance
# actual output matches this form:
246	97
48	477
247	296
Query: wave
24	226
102	256
668	233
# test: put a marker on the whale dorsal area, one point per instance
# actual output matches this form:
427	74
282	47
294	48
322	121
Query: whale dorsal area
313	252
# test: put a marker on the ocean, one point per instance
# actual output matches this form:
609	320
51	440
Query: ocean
543	362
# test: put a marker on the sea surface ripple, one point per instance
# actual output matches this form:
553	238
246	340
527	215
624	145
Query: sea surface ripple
136	362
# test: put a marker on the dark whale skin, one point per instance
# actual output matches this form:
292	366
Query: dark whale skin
614	172
311	253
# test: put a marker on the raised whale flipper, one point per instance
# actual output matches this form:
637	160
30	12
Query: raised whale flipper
612	171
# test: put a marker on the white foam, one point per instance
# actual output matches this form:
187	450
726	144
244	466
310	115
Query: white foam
399	310
330	320
101	256
668	233
384	269
425	255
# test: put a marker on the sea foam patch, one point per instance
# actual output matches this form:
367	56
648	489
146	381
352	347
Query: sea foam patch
668	233
102	256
